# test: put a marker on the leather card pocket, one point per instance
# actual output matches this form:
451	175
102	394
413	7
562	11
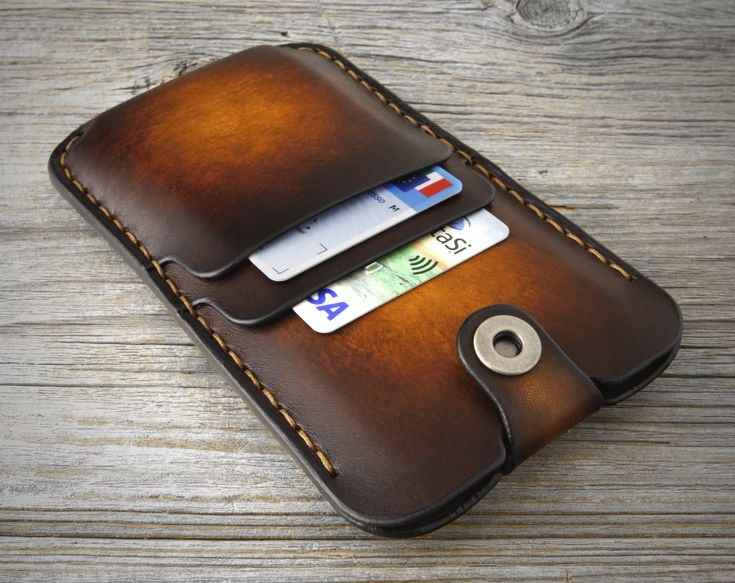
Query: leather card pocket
210	166
246	296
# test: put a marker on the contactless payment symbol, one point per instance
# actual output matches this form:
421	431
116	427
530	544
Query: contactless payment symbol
420	264
460	224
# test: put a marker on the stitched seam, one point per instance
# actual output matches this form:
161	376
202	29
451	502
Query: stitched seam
478	166
190	308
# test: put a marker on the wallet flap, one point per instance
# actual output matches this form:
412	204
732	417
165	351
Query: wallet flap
210	166
539	391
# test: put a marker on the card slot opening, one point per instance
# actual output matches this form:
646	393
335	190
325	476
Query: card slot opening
247	297
347	223
281	226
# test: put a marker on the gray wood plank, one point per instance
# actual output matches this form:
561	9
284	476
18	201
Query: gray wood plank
124	457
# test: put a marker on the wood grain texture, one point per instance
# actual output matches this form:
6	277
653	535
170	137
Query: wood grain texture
122	456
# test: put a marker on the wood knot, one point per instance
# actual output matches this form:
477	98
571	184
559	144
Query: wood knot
550	17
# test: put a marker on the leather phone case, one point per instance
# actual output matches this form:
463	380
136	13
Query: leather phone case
394	417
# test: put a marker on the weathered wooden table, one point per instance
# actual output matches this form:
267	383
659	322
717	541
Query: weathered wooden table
123	456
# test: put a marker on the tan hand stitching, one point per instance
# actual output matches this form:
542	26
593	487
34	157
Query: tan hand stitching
478	166
187	304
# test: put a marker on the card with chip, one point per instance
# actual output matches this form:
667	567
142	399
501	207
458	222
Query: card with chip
394	274
353	221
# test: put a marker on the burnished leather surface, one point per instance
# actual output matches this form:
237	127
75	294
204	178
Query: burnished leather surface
208	167
410	437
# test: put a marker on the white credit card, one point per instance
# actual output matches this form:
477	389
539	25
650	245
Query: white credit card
396	273
353	221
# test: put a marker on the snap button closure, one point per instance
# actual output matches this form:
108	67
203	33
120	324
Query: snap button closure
507	345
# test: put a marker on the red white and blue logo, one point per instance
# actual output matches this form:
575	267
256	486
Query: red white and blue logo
425	188
428	183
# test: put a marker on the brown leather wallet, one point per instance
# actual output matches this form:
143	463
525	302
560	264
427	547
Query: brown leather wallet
407	416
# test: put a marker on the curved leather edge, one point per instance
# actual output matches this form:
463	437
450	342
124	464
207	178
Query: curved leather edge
268	300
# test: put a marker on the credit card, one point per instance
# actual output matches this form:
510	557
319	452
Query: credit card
394	274
353	221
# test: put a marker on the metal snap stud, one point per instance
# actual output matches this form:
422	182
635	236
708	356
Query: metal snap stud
507	345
